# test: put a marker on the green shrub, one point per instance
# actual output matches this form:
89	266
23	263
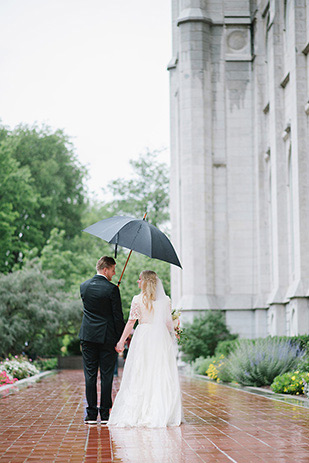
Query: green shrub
73	347
258	363
201	364
303	364
302	341
219	369
290	383
224	372
226	347
204	334
46	364
35	313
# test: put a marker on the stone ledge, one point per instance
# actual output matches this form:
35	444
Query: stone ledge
287	398
15	387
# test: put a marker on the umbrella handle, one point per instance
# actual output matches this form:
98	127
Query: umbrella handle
124	268
144	218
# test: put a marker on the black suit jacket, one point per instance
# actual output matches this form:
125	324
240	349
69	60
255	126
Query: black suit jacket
103	318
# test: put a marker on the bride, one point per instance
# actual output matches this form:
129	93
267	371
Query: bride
149	394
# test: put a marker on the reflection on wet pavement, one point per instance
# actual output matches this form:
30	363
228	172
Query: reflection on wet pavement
45	423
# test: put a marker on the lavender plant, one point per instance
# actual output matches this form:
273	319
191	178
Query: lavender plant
258	362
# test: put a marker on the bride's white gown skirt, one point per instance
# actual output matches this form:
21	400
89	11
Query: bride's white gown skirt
149	394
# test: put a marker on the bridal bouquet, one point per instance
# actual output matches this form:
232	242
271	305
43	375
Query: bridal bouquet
179	332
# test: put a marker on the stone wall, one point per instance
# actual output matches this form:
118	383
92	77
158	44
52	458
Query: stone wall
239	89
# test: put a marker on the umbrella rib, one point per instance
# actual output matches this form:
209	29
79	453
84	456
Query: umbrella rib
137	232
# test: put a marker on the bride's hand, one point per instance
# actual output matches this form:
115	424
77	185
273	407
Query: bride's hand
119	347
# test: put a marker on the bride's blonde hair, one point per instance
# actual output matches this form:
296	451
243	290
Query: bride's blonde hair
148	286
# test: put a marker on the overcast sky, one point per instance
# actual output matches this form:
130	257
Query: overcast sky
95	68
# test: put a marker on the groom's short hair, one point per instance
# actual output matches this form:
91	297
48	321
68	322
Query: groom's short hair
105	262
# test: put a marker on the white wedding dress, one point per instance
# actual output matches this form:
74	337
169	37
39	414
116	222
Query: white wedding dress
149	393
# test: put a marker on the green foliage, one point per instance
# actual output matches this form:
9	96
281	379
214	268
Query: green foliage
224	372
147	191
35	313
257	363
303	364
42	214
201	364
290	383
219	370
45	364
73	346
204	334
302	340
226	347
41	188
17	200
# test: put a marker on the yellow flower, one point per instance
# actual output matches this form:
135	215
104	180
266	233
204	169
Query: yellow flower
296	372
293	377
297	393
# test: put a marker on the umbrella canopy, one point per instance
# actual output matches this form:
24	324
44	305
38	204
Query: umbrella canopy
137	235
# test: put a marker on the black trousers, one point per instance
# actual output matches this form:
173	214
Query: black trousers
97	355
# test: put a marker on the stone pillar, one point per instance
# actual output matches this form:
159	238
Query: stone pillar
194	189
175	181
240	180
262	163
279	228
296	73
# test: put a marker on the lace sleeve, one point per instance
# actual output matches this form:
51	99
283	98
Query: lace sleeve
135	310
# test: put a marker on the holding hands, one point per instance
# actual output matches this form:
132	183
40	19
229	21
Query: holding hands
127	330
119	347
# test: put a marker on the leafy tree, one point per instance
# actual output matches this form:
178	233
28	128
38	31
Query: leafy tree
148	190
204	334
53	180
17	201
35	313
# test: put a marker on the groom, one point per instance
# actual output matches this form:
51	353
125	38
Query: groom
101	328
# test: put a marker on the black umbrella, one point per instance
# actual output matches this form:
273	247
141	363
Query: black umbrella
136	235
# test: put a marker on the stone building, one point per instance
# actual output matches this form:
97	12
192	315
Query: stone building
239	89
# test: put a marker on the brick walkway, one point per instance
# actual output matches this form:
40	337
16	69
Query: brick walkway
45	423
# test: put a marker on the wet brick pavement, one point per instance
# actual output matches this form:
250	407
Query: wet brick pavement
44	423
